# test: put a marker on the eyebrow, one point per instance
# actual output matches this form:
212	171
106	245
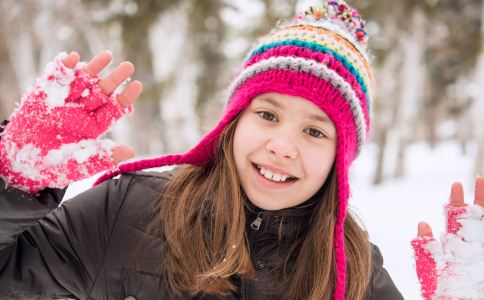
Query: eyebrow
315	117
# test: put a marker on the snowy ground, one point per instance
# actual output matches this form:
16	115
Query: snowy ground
392	210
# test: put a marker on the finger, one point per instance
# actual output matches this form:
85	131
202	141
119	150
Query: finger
116	77
122	153
424	230
457	195
455	208
71	60
98	63
479	193
130	93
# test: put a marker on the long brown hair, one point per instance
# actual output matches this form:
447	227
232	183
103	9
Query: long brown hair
201	218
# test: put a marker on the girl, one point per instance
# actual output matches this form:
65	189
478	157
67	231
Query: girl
256	210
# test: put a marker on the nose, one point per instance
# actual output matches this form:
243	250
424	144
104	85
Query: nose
282	146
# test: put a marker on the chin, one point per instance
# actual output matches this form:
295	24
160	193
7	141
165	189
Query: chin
270	205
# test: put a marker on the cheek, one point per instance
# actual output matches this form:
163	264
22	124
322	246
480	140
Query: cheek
242	144
318	164
247	137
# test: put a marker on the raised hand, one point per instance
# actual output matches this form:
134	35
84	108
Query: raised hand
453	268
52	138
108	84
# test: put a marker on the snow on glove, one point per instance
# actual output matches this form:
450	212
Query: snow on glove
453	268
52	136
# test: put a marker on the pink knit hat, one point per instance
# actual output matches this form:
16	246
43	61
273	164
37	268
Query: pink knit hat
321	56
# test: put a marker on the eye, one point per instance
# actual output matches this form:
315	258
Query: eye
315	133
267	116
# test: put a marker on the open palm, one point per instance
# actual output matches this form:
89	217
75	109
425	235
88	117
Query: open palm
53	137
452	269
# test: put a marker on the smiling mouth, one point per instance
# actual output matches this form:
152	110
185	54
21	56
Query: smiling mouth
272	176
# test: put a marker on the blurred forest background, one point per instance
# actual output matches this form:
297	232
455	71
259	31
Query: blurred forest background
428	57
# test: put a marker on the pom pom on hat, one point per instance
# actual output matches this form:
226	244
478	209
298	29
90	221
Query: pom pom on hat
337	12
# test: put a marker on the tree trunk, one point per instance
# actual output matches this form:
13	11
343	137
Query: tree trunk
478	109
381	140
411	87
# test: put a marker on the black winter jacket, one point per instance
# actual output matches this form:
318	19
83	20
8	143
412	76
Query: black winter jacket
82	249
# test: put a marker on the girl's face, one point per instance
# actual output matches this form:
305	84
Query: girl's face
284	148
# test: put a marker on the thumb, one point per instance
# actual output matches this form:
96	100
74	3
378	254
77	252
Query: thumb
121	153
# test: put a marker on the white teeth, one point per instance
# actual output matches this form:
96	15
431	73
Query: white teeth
268	174
272	176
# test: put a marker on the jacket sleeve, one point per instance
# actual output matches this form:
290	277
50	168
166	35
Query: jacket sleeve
54	252
381	285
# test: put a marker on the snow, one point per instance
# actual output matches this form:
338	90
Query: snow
461	261
85	93
80	151
56	90
472	225
28	160
56	94
392	210
23	159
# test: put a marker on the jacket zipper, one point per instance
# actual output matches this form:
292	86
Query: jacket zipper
256	223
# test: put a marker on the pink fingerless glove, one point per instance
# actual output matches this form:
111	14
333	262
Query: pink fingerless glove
52	137
453	268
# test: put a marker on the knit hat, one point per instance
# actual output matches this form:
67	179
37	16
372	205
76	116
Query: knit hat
320	56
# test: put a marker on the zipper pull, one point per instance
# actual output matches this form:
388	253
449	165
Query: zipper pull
256	223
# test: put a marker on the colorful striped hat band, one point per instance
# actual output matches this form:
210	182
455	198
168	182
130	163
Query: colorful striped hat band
320	56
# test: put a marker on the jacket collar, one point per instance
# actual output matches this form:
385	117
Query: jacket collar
258	219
